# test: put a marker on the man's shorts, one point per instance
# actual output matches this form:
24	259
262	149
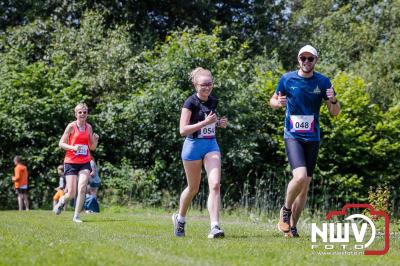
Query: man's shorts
301	153
196	149
75	168
21	190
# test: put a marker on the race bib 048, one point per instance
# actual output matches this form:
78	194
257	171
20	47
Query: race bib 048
302	123
207	132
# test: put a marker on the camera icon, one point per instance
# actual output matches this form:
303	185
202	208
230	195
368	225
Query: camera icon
360	234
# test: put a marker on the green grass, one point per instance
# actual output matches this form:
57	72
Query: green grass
145	237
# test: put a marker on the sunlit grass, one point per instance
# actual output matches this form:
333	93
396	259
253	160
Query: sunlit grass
145	237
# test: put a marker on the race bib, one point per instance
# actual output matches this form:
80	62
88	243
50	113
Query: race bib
207	132
82	151
302	123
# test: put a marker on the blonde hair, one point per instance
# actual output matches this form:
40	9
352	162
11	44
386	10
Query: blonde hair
81	106
198	71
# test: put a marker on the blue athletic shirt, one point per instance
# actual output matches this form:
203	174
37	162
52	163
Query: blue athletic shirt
303	102
200	109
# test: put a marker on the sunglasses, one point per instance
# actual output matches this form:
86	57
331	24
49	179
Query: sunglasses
205	85
309	59
82	112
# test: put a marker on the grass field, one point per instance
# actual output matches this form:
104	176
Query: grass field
145	237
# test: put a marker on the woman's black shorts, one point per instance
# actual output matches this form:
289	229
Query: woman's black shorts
75	168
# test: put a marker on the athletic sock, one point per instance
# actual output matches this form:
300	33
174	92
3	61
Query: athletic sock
181	219
214	224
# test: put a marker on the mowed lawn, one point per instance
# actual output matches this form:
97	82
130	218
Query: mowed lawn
145	237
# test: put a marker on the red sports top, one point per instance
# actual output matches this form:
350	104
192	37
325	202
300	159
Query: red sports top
82	138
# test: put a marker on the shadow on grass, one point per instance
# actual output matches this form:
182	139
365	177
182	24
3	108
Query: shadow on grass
102	220
244	236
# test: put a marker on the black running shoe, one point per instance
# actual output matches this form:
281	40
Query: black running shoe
293	232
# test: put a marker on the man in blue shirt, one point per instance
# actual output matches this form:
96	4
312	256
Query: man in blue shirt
301	92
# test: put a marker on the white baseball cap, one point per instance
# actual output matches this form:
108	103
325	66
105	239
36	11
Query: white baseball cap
308	48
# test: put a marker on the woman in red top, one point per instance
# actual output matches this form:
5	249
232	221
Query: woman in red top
78	139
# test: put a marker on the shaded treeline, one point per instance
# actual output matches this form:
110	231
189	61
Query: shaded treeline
129	60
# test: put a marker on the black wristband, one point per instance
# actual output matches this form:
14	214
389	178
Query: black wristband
335	102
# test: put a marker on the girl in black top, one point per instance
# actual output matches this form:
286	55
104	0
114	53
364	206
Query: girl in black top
198	123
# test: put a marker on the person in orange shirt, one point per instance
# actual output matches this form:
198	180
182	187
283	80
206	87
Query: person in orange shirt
61	185
20	180
78	139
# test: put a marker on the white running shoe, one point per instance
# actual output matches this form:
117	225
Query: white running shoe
60	206
216	232
77	219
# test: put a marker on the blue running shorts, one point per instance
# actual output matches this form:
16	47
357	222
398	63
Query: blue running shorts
196	149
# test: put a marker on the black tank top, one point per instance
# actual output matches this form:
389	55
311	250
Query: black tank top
199	109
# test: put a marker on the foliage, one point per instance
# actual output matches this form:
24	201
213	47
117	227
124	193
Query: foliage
39	91
135	97
126	184
134	101
379	198
352	149
359	36
381	72
154	20
150	115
